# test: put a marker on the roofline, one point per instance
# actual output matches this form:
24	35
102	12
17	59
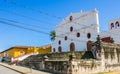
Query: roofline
25	47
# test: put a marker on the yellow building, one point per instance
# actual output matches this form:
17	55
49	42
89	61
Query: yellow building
18	51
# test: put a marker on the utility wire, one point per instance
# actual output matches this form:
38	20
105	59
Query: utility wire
30	8
31	18
33	25
13	21
41	12
22	27
14	13
30	29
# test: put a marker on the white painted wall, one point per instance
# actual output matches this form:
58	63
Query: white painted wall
114	32
113	21
83	22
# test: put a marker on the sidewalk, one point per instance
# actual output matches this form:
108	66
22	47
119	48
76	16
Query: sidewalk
22	70
117	72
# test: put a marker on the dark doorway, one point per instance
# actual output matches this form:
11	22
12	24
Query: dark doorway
72	47
59	49
89	45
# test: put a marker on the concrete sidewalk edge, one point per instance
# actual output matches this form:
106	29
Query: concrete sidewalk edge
12	69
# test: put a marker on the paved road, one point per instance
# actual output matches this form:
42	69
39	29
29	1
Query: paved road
19	69
4	70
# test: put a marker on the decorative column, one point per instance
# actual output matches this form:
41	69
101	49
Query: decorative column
73	66
45	58
102	60
72	57
115	56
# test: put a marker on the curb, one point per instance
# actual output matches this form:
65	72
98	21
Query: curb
13	69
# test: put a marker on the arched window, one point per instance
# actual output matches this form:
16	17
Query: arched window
70	18
59	42
78	34
54	50
112	25
71	29
59	49
65	37
88	35
72	47
117	24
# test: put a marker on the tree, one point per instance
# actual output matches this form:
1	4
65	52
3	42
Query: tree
52	35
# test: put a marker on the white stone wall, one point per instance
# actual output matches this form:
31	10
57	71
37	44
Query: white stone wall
80	20
83	22
114	32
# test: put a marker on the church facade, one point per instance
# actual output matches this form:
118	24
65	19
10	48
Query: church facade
77	30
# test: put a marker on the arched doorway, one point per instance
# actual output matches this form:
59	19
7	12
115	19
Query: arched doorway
59	49
89	45
72	47
54	50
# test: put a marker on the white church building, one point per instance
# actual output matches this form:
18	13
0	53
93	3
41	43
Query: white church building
76	30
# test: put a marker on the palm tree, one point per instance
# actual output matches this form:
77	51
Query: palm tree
52	35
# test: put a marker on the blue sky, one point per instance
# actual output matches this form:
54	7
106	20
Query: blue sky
12	36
